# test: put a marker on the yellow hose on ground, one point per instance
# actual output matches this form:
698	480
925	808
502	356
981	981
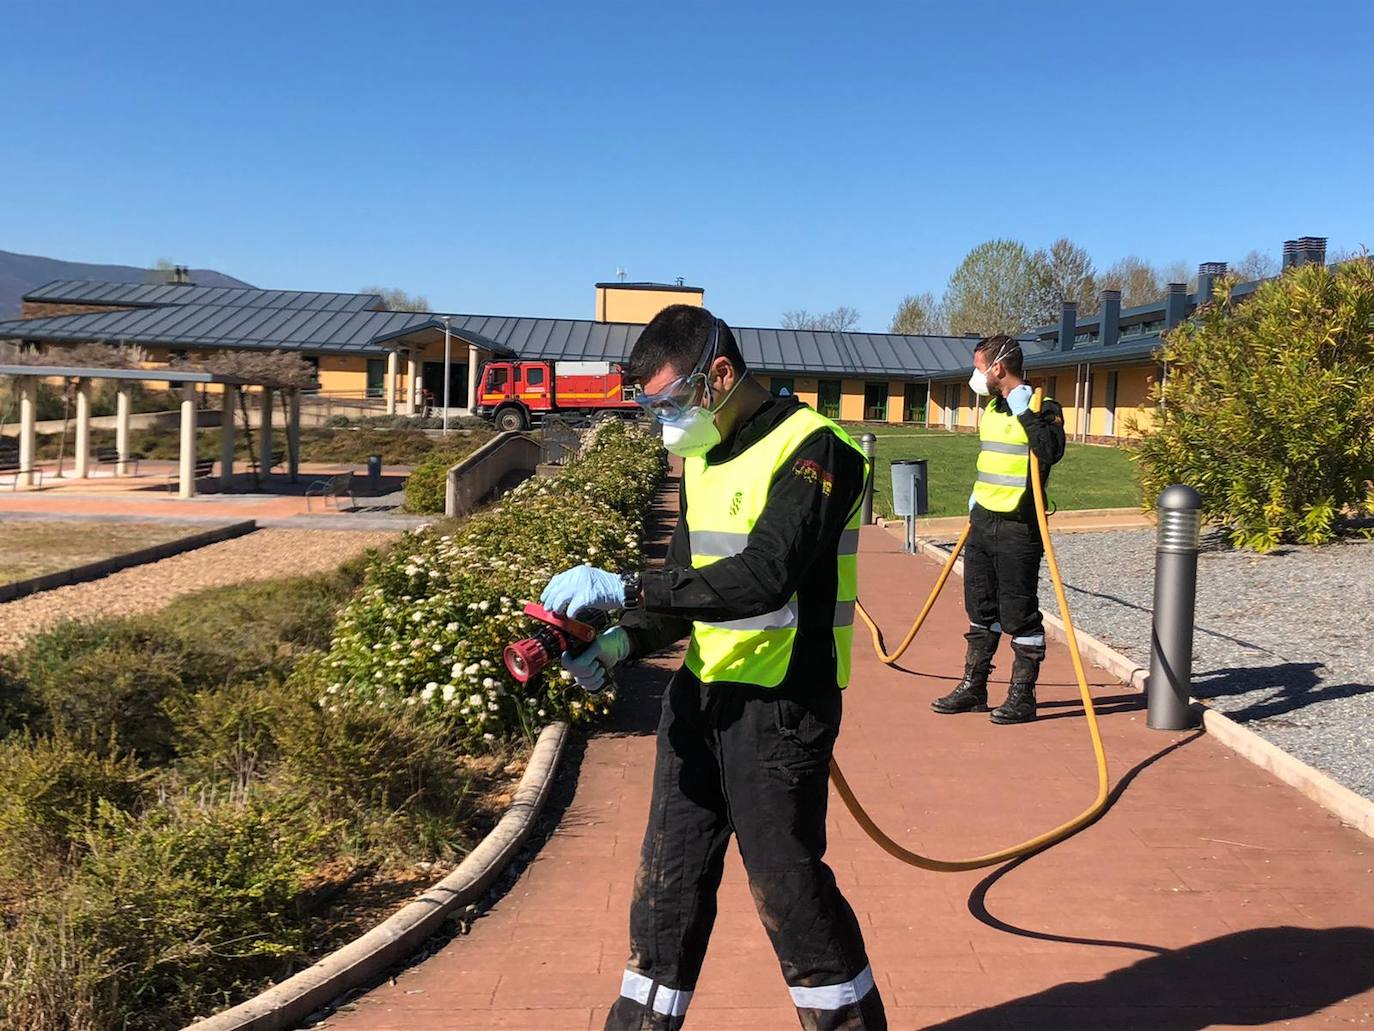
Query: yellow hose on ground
856	809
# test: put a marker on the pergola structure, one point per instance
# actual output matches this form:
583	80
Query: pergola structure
26	379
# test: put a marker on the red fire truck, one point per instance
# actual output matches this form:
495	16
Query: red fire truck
518	394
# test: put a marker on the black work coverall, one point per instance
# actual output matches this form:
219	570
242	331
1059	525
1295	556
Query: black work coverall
1002	562
750	761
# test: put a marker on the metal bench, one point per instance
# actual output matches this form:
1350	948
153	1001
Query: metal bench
200	471
276	459
336	487
111	456
9	466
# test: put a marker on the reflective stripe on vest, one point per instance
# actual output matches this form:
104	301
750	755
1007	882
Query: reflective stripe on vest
1003	461
723	503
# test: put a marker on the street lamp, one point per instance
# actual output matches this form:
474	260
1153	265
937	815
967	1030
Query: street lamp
447	343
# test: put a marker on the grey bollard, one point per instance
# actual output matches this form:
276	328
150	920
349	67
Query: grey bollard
1171	638
869	443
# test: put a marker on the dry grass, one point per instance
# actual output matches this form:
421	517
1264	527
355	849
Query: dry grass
32	548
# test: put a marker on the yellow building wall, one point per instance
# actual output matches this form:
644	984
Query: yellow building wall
806	390
851	400
896	401
343	376
627	304
1134	410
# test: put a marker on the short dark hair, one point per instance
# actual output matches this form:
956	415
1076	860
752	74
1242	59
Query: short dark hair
1004	349
676	338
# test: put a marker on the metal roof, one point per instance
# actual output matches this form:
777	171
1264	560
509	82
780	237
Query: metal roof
1129	350
219	326
151	295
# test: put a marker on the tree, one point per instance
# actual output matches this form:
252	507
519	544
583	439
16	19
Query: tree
1267	407
999	287
917	315
1138	280
838	320
1255	265
1072	276
394	299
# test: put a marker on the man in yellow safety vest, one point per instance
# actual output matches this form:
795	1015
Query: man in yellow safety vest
1004	549
762	577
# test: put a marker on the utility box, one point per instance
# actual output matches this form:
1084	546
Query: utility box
909	487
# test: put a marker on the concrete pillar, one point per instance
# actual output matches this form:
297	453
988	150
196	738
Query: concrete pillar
265	433
293	434
391	362
28	409
229	400
83	428
412	381
122	426
187	486
474	359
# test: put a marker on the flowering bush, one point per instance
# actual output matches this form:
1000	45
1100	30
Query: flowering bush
429	625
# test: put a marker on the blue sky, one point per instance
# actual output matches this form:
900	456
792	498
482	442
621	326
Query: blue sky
501	158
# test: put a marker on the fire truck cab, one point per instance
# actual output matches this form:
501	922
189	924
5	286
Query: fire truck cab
516	395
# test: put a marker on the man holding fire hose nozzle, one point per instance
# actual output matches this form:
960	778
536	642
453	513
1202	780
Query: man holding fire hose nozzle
762	574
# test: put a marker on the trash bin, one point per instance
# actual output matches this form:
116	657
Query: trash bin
909	487
374	472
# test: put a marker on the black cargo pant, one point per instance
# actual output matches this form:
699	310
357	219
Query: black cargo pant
1001	593
752	762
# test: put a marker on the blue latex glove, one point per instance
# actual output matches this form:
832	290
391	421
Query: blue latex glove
971	502
591	668
1019	399
576	588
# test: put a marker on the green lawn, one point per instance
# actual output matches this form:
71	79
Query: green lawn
1088	477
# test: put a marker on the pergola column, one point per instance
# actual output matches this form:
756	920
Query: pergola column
391	363
265	433
83	428
122	426
28	408
412	381
293	433
228	401
187	486
473	360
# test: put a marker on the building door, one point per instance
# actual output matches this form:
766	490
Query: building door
376	377
828	398
951	404
914	402
1111	404
875	402
783	386
432	380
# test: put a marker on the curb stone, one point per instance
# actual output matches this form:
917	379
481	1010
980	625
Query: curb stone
362	960
1350	808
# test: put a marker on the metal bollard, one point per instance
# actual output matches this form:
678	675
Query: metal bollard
1171	637
869	443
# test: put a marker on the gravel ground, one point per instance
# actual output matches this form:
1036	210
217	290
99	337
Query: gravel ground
262	555
1282	643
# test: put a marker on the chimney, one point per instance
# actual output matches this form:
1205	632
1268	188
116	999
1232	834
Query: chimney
1109	326
1290	253
1068	324
1175	304
1311	250
1207	273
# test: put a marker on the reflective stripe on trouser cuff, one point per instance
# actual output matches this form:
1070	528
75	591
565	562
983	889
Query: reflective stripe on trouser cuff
1036	639
671	1002
1006	449
784	618
998	480
996	628
834	996
723	543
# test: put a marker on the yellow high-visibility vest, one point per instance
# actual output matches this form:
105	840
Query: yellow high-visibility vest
723	503
1003	461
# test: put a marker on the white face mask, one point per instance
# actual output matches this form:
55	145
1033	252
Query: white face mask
978	382
694	432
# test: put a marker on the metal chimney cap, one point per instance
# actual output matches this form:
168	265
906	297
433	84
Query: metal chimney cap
1178	288
1179	497
1111	295
1068	306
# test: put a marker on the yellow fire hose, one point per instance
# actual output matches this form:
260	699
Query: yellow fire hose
856	809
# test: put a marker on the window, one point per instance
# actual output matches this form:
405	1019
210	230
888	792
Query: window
376	377
1111	403
875	402
914	401
828	398
1050	385
497	380
534	377
783	386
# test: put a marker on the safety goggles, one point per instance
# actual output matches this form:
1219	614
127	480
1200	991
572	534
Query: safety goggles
685	392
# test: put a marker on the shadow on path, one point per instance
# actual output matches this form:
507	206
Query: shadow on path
1291	686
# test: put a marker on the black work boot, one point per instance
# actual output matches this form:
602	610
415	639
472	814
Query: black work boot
1019	706
971	693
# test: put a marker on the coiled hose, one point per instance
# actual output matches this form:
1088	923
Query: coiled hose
855	807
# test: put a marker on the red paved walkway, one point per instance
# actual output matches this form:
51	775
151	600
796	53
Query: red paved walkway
1209	896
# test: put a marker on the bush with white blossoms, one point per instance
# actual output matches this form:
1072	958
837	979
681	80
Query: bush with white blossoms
428	627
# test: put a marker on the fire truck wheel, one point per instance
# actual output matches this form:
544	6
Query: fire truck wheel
510	419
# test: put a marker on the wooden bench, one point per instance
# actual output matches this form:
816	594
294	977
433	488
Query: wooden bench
276	459
200	471
111	456
9	466
335	487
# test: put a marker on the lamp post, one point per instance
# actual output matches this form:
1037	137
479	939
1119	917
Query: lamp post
448	338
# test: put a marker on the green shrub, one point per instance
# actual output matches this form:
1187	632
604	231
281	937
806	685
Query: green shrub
52	978
1268	407
427	485
50	788
227	739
